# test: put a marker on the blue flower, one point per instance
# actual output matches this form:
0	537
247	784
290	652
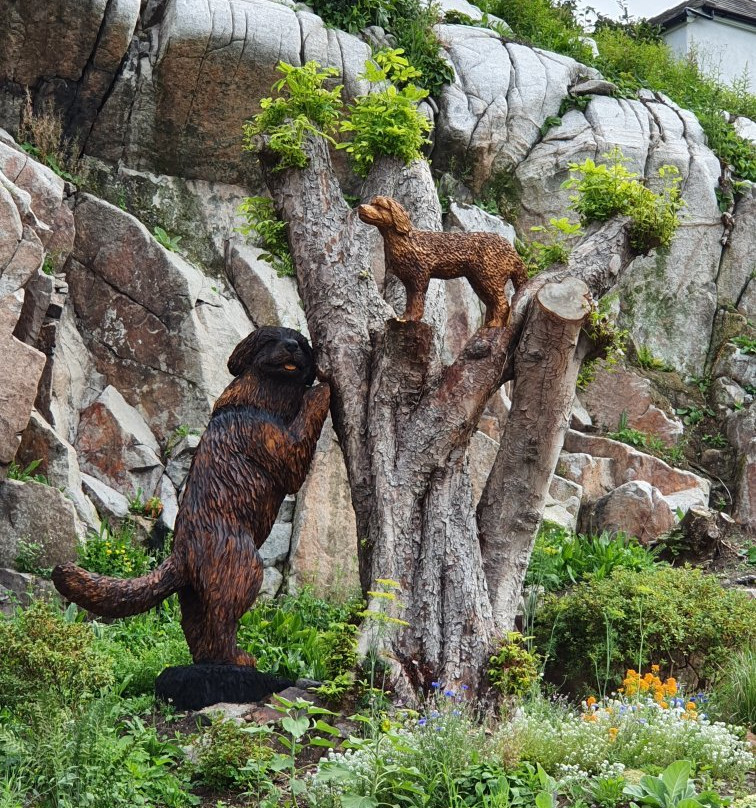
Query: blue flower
435	714
465	687
456	713
422	722
449	693
436	685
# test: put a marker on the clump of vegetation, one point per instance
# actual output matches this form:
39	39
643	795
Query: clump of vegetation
745	344
514	670
40	134
228	756
609	341
115	551
648	443
610	189
633	618
386	121
26	474
409	22
303	106
562	558
261	220
30	558
171	243
733	697
49	656
555	248
646	359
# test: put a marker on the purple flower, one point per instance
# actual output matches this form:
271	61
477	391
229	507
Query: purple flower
449	693
436	685
422	722
465	687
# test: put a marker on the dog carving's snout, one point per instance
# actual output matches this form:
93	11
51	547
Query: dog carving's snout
291	345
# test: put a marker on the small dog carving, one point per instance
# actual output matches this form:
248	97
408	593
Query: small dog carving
487	261
256	449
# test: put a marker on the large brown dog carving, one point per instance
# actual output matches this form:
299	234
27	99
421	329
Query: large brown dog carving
487	261
256	449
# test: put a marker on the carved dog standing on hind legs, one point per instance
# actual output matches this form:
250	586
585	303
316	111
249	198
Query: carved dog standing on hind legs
257	448
487	261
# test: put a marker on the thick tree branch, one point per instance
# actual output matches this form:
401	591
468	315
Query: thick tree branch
512	503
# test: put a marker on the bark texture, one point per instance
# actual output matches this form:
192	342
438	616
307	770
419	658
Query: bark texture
404	420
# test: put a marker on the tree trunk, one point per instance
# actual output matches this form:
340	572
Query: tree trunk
404	420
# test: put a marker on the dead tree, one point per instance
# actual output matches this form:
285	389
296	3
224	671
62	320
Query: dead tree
404	420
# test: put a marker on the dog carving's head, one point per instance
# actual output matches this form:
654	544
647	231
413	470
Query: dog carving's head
280	353
385	213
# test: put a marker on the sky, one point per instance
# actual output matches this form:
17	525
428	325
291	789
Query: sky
637	8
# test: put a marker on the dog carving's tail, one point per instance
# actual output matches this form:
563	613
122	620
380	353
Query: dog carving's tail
118	597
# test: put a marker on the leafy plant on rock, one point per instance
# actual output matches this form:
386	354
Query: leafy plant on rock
164	239
386	121
262	221
610	189
26	474
115	551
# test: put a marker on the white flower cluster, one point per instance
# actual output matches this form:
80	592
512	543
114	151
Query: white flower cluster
633	734
569	776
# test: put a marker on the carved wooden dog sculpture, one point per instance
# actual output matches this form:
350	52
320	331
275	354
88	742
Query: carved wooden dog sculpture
256	449
487	261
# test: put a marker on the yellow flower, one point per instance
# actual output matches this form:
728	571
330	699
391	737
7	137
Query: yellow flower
655	669
613	733
590	701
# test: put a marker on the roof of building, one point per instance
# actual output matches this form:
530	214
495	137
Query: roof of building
742	10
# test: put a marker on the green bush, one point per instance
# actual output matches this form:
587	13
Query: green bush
46	655
561	558
115	551
513	670
90	758
611	189
223	751
733	697
386	121
141	647
262	221
670	616
303	106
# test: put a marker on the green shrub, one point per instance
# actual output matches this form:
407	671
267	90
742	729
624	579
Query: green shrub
91	758
513	669
223	752
544	24
561	558
303	106
26	474
733	697
164	239
115	551
671	616
410	22
558	236
30	558
611	189
262	221
46	655
141	647
386	121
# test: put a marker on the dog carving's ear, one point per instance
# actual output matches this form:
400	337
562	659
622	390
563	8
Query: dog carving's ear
401	220
242	355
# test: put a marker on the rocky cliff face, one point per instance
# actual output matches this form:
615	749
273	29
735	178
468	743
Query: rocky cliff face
114	346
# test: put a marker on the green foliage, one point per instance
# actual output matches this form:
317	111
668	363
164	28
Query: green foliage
26	474
746	344
91	758
501	194
681	614
544	24
558	236
142	646
165	240
647	443
303	106
227	756
410	22
261	220
733	697
513	669
45	655
673	788
29	558
561	558
611	189
114	551
608	340
386	121
300	636
648	361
